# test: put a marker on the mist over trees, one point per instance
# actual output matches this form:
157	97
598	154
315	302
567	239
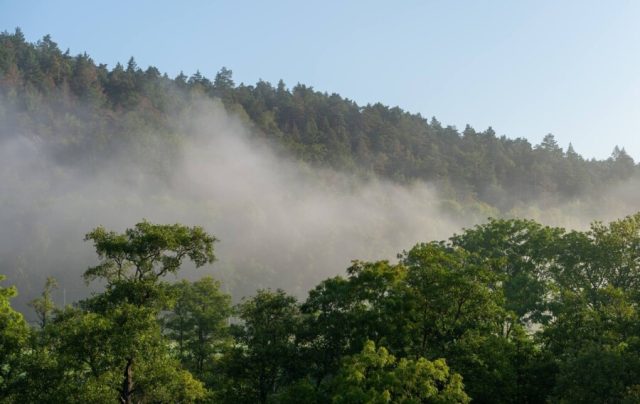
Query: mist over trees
508	311
126	107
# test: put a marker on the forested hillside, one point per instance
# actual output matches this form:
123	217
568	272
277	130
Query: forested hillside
87	110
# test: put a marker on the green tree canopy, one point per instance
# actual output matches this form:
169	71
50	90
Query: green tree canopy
375	376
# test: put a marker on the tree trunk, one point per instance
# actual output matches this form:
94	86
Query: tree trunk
126	394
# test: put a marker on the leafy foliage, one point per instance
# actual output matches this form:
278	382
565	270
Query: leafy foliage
506	312
13	336
264	358
147	252
375	376
198	323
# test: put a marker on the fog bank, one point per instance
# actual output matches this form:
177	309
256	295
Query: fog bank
281	223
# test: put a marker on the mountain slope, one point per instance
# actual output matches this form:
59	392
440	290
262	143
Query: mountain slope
86	111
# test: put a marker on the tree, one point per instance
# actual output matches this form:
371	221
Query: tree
375	376
264	359
549	144
147	252
342	314
13	337
115	340
198	323
622	165
44	305
520	253
454	308
594	333
451	294
223	80
118	354
223	87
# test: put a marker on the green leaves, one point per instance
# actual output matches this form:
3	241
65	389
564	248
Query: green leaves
375	376
148	251
44	305
117	332
522	312
520	253
13	337
198	324
264	359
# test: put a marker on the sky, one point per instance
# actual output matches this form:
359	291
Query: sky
525	68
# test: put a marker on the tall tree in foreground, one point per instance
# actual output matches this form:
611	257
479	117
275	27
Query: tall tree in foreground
112	345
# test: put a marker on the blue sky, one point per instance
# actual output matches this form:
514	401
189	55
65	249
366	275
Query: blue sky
526	68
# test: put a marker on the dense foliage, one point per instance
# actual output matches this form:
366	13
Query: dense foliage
85	110
506	312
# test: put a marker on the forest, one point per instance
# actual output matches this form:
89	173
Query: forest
510	310
42	88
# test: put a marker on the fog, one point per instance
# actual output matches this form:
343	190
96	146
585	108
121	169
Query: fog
281	223
616	202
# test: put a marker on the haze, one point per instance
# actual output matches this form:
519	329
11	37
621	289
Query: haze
280	222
